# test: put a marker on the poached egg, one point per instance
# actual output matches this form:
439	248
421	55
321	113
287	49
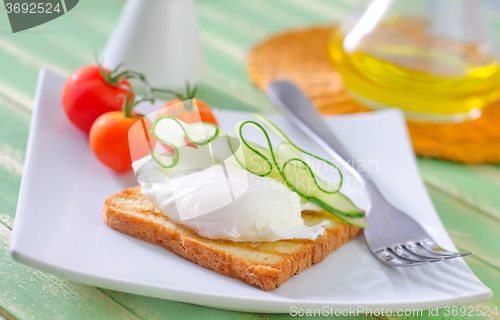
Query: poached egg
230	203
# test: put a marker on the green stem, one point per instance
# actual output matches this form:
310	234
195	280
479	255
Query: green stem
189	94
114	77
178	95
128	105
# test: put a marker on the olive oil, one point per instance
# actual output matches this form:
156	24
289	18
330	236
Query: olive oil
437	78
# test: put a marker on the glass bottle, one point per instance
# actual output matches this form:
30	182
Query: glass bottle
435	59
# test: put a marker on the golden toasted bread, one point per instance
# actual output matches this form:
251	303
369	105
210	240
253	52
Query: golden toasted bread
266	265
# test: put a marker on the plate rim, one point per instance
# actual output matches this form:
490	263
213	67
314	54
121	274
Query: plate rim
189	296
254	305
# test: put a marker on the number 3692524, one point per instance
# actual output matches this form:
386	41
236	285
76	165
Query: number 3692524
32	8
471	311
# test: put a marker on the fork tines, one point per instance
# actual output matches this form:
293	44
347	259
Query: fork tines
416	253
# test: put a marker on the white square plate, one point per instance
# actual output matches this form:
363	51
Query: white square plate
59	226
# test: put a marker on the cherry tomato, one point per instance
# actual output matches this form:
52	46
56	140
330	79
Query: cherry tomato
109	139
186	115
88	93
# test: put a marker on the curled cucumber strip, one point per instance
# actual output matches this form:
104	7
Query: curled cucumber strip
281	164
190	132
285	163
277	131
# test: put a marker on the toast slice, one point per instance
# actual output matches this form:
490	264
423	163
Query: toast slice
266	265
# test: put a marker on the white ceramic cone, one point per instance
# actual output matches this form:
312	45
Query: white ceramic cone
160	39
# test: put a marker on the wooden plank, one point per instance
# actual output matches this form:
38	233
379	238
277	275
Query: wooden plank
218	89
226	52
470	229
64	43
241	34
234	82
459	221
237	9
484	271
4	315
279	16
246	28
475	185
14	126
347	6
33	49
27	293
152	308
317	13
8	191
220	92
17	80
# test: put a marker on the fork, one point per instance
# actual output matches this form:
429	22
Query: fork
392	236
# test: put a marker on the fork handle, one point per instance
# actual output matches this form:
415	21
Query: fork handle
299	110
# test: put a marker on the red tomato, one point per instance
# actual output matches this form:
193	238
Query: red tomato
109	139
87	95
188	116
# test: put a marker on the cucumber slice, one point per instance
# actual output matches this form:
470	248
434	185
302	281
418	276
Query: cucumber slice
289	157
284	163
258	160
171	131
301	178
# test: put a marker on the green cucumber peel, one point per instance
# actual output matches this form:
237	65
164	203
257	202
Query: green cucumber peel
176	158
259	154
352	215
277	131
270	165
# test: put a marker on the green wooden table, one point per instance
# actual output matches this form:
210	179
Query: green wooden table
466	197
